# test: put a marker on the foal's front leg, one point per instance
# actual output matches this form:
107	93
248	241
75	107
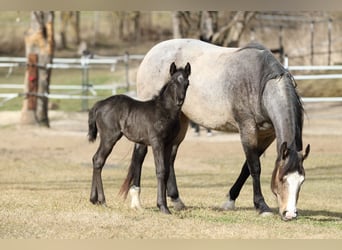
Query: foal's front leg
160	152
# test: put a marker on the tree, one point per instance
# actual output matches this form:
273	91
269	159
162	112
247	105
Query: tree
230	34
72	18
208	24
205	25
39	43
180	23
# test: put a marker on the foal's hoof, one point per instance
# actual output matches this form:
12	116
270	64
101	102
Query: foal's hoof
178	204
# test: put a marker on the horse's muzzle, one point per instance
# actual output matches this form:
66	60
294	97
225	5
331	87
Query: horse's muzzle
287	216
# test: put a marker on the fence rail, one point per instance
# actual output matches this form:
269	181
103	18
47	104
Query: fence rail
85	63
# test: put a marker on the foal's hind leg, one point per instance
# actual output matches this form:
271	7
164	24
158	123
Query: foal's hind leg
106	145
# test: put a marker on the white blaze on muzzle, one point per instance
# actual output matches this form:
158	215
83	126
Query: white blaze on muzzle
294	181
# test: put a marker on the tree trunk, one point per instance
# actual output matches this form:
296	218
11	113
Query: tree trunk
39	40
230	34
72	18
176	24
206	26
137	28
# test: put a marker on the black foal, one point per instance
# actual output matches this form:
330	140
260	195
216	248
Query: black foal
154	122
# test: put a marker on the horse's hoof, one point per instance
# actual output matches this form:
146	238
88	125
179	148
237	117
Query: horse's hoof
178	204
229	205
164	210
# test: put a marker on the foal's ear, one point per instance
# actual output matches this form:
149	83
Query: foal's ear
284	152
307	151
188	69
173	68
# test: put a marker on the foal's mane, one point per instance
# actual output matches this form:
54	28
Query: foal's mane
271	68
161	91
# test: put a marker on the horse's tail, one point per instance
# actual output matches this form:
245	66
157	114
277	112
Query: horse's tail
128	182
92	128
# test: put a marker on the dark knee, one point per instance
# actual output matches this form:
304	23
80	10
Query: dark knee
98	162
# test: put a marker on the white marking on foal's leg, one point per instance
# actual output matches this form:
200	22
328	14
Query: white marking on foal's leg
178	204
134	192
229	204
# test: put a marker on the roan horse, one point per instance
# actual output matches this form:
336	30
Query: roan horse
232	89
155	122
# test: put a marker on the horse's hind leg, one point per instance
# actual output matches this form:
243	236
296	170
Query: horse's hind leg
253	150
106	145
236	188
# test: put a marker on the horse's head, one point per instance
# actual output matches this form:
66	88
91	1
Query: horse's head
287	178
180	82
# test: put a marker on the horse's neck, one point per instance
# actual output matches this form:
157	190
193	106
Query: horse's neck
285	112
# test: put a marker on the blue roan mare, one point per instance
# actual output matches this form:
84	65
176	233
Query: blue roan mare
232	89
155	122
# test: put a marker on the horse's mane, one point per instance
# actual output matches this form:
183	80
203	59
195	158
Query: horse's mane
271	68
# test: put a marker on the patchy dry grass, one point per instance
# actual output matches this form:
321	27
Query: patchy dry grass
45	177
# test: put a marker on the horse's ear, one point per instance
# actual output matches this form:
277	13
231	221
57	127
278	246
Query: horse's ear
284	152
188	69
307	151
173	68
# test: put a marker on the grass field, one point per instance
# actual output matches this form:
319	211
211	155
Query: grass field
45	174
45	178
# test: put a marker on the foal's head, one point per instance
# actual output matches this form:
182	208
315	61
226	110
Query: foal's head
287	178
179	82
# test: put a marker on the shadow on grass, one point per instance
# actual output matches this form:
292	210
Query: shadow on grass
321	215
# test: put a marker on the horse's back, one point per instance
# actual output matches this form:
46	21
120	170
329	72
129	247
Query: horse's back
153	71
218	82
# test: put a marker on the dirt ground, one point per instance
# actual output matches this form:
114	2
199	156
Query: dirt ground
35	160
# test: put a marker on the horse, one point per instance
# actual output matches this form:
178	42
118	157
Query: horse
155	123
243	90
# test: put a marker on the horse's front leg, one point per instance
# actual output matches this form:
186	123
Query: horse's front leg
252	147
162	172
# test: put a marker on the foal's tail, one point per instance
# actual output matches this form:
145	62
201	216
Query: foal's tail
126	185
92	129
